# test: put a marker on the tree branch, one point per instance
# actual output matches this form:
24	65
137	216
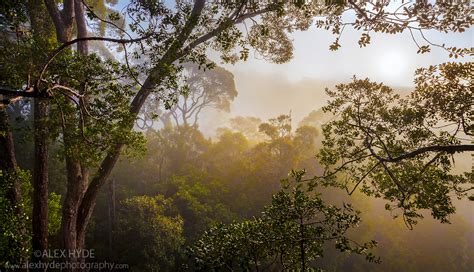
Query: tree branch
10	92
74	41
450	149
220	28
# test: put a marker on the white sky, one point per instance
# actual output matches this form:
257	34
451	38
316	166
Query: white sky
391	59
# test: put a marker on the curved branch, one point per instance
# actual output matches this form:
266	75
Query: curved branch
450	149
362	178
74	41
223	26
10	92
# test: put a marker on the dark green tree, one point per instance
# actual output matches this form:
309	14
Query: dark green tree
149	238
401	148
289	235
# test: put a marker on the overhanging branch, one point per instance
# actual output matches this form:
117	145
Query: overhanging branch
71	42
10	92
450	149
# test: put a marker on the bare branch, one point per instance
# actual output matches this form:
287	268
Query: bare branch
362	178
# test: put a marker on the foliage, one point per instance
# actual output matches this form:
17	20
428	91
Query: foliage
15	221
392	18
228	179
279	127
102	15
13	13
201	202
94	102
54	214
149	237
100	110
207	181
248	126
289	235
402	148
14	243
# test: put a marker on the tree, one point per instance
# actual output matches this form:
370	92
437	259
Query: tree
277	128
289	235
201	200
199	89
18	46
14	237
402	148
227	183
13	217
147	236
248	126
177	148
287	148
316	118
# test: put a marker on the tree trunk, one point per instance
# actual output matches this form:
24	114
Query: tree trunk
82	47
78	178
43	30
111	219
8	167
8	162
40	179
78	175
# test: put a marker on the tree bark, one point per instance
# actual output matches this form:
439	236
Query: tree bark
62	19
8	162
40	179
111	219
82	46
77	174
77	180
43	30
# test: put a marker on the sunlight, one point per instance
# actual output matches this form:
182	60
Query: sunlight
392	66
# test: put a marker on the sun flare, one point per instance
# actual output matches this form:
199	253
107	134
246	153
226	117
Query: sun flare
392	65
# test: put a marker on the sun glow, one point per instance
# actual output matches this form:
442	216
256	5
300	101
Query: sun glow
393	65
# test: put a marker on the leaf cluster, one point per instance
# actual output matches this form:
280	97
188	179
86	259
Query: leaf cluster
290	234
402	148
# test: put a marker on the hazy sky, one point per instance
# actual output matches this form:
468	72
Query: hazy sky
389	58
267	89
